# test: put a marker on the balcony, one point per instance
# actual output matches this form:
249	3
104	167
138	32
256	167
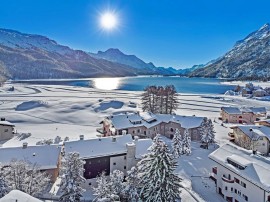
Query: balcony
225	179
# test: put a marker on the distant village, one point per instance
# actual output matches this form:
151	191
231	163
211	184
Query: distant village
249	90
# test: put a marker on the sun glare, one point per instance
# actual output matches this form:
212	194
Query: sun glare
106	83
108	20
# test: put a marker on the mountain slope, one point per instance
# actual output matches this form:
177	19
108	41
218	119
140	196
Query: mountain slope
115	55
248	59
27	56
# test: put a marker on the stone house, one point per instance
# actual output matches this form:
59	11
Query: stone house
6	129
46	157
246	115
106	154
148	125
252	137
240	176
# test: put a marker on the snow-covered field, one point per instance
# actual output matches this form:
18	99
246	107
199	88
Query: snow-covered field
50	111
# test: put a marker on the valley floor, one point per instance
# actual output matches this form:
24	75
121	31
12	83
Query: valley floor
66	111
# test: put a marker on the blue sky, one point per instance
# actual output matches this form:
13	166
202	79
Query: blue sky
168	33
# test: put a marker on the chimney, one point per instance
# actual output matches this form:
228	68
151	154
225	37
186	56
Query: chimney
113	139
25	145
3	119
81	137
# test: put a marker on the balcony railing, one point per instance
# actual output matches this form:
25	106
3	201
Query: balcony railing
225	179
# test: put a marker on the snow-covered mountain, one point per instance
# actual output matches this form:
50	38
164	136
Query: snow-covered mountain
28	56
248	59
115	55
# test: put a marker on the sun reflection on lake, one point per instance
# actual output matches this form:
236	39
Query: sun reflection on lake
106	83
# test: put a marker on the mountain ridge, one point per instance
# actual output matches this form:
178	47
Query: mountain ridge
249	59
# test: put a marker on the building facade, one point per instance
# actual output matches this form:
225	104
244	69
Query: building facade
6	130
252	137
240	177
46	157
242	115
107	154
147	125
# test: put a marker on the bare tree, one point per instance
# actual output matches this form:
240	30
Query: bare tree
26	177
158	99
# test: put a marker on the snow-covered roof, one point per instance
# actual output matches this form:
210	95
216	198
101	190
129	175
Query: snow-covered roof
123	121
6	123
256	168
16	195
254	131
97	147
263	120
45	156
142	147
237	110
231	110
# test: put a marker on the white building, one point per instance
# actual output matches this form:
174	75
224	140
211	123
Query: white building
6	129
241	176
46	157
108	154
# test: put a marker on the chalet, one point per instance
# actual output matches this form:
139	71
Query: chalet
240	176
47	157
147	125
246	115
254	137
106	154
6	129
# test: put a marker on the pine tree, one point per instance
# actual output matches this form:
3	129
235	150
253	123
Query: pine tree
177	144
131	191
26	177
72	177
4	189
207	131
186	143
156	173
116	182
103	190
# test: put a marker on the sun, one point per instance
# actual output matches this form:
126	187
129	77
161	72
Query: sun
108	21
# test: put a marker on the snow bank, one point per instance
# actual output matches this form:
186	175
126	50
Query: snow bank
28	105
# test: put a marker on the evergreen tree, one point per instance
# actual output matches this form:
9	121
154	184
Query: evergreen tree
72	177
177	144
156	173
103	190
186	143
4	189
26	177
116	183
132	186
207	131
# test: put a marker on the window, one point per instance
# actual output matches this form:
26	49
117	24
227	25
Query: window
231	189
226	188
125	157
114	164
243	184
138	130
89	184
263	144
125	167
171	129
245	197
235	191
6	130
133	131
236	180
